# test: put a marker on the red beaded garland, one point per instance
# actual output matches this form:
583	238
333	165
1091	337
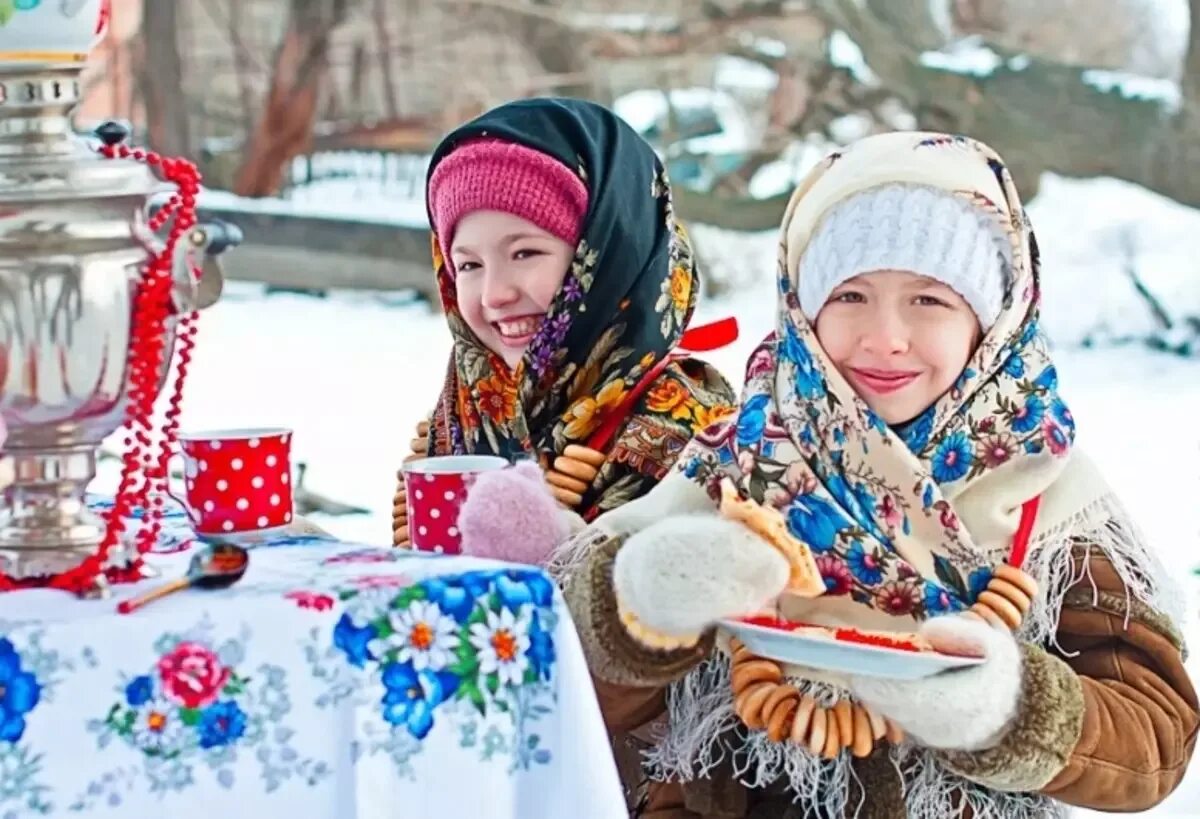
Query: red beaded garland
143	472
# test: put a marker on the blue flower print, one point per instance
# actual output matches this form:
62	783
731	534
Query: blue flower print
815	521
1028	333
978	581
353	640
875	422
521	588
26	5
410	696
752	420
541	648
937	599
864	564
1029	416
1014	366
139	690
916	432
451	596
809	383
220	724
952	458
966	376
1062	414
19	693
1048	379
692	467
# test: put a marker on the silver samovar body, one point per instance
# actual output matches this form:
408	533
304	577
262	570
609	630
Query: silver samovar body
73	244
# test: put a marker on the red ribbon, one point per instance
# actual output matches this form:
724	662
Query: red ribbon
702	339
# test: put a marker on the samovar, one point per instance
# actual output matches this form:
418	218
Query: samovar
75	235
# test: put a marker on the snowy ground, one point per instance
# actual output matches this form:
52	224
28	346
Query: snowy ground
352	374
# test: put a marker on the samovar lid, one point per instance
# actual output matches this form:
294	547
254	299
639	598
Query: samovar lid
41	157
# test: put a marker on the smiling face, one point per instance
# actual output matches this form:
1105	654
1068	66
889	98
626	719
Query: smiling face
507	272
900	339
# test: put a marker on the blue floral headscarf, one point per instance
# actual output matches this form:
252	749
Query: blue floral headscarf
873	503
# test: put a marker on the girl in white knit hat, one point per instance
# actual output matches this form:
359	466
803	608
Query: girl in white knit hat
904	420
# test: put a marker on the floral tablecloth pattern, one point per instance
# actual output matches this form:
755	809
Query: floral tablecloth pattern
334	680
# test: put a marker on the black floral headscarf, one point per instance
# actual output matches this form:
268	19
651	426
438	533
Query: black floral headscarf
622	307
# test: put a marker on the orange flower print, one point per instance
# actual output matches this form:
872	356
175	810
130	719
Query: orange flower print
584	415
681	288
707	416
498	397
669	396
438	261
467	412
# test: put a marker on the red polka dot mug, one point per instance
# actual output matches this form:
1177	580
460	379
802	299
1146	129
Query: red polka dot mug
237	481
436	488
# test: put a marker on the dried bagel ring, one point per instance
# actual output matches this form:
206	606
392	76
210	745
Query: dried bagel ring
863	741
754	671
1010	593
565	482
585	454
778	699
986	614
1018	578
844	713
780	719
1005	610
575	469
752	713
833	737
816	730
802	719
567	499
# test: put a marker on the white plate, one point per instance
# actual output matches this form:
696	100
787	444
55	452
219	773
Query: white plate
828	654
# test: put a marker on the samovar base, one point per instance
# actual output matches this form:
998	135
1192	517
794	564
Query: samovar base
45	525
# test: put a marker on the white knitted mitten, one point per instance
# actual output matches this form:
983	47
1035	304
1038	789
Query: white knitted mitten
965	709
684	572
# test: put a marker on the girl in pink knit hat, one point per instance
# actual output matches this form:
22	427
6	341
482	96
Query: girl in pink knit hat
568	286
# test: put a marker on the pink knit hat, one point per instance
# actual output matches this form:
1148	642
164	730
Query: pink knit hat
493	174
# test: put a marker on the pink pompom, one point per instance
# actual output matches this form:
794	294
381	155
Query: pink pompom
511	515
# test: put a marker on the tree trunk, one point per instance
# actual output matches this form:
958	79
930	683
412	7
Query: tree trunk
298	72
160	79
384	39
242	64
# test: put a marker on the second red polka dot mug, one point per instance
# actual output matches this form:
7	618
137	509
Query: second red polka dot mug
436	488
237	480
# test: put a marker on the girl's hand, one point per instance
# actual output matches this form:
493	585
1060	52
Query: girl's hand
420	448
511	514
965	709
680	575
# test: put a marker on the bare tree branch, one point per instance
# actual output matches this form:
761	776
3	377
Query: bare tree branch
1041	115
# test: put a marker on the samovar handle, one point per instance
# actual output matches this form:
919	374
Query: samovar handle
209	239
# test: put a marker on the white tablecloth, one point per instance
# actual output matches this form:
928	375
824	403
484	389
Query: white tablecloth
334	680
